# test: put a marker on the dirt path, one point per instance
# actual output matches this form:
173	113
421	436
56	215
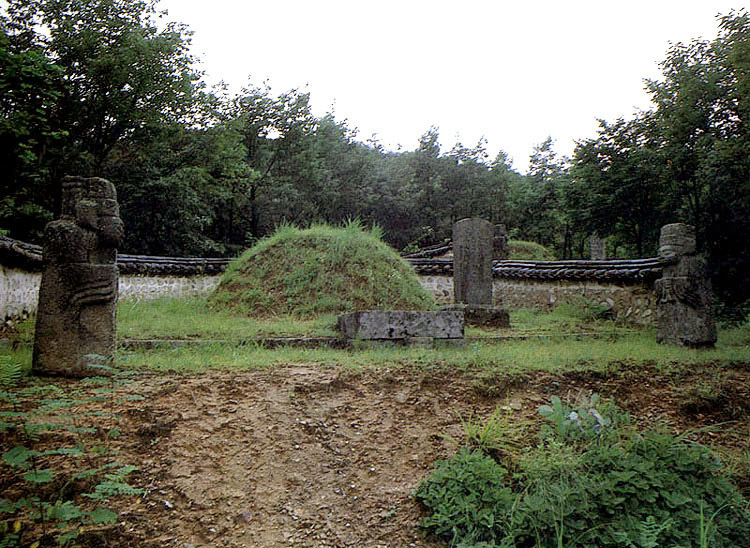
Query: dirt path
299	456
318	457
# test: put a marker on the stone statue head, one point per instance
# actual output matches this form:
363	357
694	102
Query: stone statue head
92	204
677	239
500	245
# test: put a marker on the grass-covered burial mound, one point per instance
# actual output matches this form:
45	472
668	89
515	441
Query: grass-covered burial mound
320	270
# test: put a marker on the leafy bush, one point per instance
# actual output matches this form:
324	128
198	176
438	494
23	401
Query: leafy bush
468	499
591	483
583	421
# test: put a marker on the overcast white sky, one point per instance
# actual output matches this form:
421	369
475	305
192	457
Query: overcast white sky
512	71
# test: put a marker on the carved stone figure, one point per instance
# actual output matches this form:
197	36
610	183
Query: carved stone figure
76	322
598	247
500	245
684	297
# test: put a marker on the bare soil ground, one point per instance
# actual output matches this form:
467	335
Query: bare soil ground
321	457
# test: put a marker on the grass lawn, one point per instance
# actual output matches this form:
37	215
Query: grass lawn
192	318
565	343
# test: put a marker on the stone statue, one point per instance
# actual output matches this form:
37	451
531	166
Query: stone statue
76	316
684	297
598	247
500	244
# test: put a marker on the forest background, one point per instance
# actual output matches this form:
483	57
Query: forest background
105	88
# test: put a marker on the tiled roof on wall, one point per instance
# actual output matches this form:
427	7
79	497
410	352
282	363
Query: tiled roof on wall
621	270
14	253
18	254
428	252
614	270
170	266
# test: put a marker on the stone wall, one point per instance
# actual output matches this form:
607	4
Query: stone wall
19	293
440	286
152	287
632	302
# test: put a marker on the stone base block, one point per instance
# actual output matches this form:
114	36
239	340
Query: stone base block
684	325
402	325
412	342
482	315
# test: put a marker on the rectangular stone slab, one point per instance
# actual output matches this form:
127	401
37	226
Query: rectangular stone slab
402	324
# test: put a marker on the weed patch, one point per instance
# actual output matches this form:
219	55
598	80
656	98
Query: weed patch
63	477
592	481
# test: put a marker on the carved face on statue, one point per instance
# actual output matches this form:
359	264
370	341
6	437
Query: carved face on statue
92	202
676	240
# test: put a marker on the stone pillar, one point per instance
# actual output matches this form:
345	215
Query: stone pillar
684	313
472	273
76	322
500	246
472	262
598	247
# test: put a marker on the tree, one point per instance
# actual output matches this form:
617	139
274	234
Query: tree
342	171
121	72
535	201
30	87
99	71
687	160
178	188
703	107
618	185
276	135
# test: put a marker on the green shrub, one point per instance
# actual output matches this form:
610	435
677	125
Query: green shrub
592	482
467	498
42	425
529	251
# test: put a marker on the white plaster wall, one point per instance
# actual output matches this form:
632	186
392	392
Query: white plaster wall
19	292
152	287
636	303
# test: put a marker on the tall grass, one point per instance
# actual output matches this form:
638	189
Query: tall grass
193	318
320	270
615	347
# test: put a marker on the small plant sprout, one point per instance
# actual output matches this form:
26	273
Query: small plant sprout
495	436
49	414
